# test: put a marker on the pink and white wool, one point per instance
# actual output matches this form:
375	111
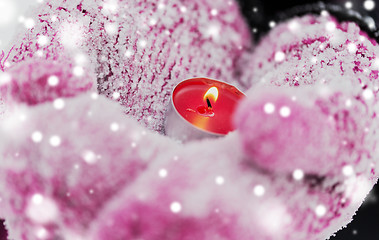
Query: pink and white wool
83	154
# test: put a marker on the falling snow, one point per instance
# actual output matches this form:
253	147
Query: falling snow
369	5
82	110
53	81
269	108
37	136
298	174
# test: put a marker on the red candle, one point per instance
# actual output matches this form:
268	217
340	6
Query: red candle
207	105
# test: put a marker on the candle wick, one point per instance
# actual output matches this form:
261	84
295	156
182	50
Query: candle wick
209	104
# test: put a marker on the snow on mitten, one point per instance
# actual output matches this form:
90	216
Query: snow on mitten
139	50
36	81
298	167
311	112
227	188
60	166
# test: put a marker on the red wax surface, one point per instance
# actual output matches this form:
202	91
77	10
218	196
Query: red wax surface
189	102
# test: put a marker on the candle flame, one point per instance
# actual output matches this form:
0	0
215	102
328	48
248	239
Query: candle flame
212	93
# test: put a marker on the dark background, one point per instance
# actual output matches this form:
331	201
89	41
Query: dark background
365	225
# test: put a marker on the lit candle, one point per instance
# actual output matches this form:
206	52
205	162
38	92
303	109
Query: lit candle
202	107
